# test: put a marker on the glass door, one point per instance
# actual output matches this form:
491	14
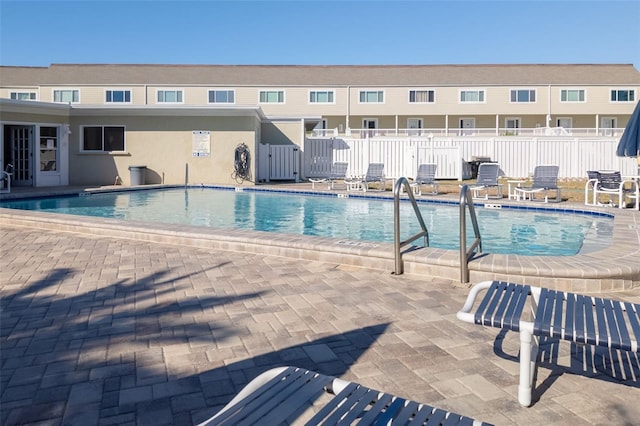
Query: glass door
19	141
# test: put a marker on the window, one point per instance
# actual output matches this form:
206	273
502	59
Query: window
272	96
118	96
23	96
321	97
48	149
572	95
69	96
523	95
222	97
422	96
103	138
625	95
472	96
371	96
170	96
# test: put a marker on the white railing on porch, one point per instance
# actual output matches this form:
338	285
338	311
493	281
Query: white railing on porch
536	131
517	156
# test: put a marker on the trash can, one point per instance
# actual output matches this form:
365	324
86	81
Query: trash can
137	174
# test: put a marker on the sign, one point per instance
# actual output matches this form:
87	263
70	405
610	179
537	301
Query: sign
201	141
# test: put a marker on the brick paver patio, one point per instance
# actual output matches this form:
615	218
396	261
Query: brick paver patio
113	331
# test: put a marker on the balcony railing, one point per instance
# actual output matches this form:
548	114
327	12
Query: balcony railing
451	132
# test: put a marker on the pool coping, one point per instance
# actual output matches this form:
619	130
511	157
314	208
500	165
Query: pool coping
616	267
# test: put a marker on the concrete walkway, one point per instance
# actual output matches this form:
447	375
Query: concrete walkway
99	330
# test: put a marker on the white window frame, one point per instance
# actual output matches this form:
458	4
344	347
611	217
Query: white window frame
102	151
421	90
221	90
623	89
523	89
284	96
573	89
26	92
170	89
118	90
379	92
316	91
53	96
479	90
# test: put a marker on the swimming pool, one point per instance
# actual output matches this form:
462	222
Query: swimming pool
504	231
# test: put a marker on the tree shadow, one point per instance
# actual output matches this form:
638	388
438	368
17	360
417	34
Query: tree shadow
76	356
55	339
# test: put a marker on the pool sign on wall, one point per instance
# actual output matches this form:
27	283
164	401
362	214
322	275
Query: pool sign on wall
201	140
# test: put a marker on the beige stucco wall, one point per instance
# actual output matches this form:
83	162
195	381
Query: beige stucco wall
282	132
164	145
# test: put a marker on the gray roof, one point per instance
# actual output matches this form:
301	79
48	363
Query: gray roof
322	75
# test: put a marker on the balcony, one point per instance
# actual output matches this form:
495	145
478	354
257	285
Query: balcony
470	132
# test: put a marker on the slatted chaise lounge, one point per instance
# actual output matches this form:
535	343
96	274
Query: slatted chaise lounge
283	395
338	172
545	179
426	176
375	174
567	316
488	174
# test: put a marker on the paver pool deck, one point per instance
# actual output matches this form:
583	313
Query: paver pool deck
103	330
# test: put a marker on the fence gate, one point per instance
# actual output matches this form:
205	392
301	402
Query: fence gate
282	162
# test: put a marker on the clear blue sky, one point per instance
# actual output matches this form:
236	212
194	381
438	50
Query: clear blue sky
38	33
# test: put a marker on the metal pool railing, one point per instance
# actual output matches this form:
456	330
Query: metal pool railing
403	182
466	200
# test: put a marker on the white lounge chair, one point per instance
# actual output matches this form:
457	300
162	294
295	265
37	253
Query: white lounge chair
488	174
426	176
375	174
611	184
287	394
545	179
338	172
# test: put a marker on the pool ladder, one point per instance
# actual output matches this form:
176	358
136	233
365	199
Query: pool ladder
423	233
466	201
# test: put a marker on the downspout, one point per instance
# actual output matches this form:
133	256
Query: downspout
548	106
348	127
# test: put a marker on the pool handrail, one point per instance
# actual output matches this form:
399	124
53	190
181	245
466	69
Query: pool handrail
466	200
397	244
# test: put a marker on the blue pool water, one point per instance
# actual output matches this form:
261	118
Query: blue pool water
504	231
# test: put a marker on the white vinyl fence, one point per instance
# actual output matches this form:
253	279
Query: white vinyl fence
517	156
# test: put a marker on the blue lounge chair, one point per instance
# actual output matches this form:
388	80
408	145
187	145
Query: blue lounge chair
488	174
375	174
426	176
338	172
282	396
545	179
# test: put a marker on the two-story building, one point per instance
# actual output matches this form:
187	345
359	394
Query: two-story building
87	124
